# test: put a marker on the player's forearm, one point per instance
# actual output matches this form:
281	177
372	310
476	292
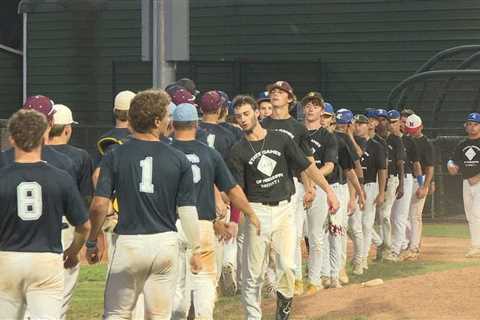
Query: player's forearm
351	190
428	176
353	180
80	236
417	169
98	211
240	201
314	174
358	170
327	168
189	218
95	175
382	180
401	171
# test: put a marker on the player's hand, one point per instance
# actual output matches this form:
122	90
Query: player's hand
332	202
231	230
452	168
308	198
361	201
473	180
195	263
70	258
352	206
380	199
255	222
399	192
220	229
94	255
421	192
221	209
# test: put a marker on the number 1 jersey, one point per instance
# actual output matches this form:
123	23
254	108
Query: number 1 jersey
149	179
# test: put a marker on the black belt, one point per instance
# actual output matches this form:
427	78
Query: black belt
274	203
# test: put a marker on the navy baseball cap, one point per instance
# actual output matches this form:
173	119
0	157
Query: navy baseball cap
328	109
370	112
185	112
225	99
344	116
381	113
41	104
393	115
313	95
474	117
263	96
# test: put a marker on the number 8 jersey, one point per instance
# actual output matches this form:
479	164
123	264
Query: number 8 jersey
34	197
150	179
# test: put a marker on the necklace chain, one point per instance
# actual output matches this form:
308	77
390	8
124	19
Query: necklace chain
263	145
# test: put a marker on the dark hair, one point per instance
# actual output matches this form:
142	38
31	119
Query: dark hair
240	100
146	107
184	125
56	131
406	112
26	128
121	115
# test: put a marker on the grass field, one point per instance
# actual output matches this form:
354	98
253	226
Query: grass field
88	298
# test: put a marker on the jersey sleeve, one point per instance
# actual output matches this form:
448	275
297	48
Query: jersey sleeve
295	155
399	149
457	156
351	149
105	185
331	149
345	159
236	166
380	157
223	178
85	176
186	187
429	159
304	145
75	211
413	151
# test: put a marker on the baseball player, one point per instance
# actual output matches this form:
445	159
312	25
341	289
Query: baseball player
208	169
262	163
466	161
282	97
153	184
422	184
389	129
224	113
361	222
264	105
34	196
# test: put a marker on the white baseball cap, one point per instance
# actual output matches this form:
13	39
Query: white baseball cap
413	123
63	115
123	99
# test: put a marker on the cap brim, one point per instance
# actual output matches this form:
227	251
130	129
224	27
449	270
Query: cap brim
412	130
270	87
305	100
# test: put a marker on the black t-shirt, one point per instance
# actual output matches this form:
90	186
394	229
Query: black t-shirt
324	148
396	152
218	138
49	154
83	165
372	159
208	169
263	168
411	153
346	157
291	127
467	157
236	131
120	134
425	151
34	197
150	179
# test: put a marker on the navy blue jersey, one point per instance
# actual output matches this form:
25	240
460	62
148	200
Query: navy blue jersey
291	127
324	148
346	157
83	166
236	131
120	134
150	179
34	197
411	153
396	151
208	169
373	158
49	154
218	138
467	157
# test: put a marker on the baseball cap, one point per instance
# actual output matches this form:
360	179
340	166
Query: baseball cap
407	112
41	104
344	116
188	84
185	112
370	112
393	115
211	101
263	96
328	109
381	113
123	100
182	95
225	98
282	85
474	117
413	123
360	118
171	108
313	95
63	115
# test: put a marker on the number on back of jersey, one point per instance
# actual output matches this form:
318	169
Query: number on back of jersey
29	201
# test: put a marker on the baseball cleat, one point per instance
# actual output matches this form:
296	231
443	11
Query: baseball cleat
284	307
298	287
412	255
229	281
326	282
365	263
312	289
270	291
473	253
335	284
343	277
391	257
357	269
380	251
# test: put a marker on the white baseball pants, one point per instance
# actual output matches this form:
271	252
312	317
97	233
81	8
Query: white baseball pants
71	275
278	234
415	217
400	211
471	202
385	211
139	264
299	223
200	286
32	280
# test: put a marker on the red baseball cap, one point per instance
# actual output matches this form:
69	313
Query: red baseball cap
41	104
211	101
413	124
282	85
182	95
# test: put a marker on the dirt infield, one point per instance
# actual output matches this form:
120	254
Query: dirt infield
453	294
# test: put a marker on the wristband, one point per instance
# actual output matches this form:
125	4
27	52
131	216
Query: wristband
450	163
91	244
420	180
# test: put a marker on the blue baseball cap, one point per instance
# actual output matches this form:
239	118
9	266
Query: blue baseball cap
185	112
328	109
263	96
474	117
393	115
344	116
381	113
370	112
